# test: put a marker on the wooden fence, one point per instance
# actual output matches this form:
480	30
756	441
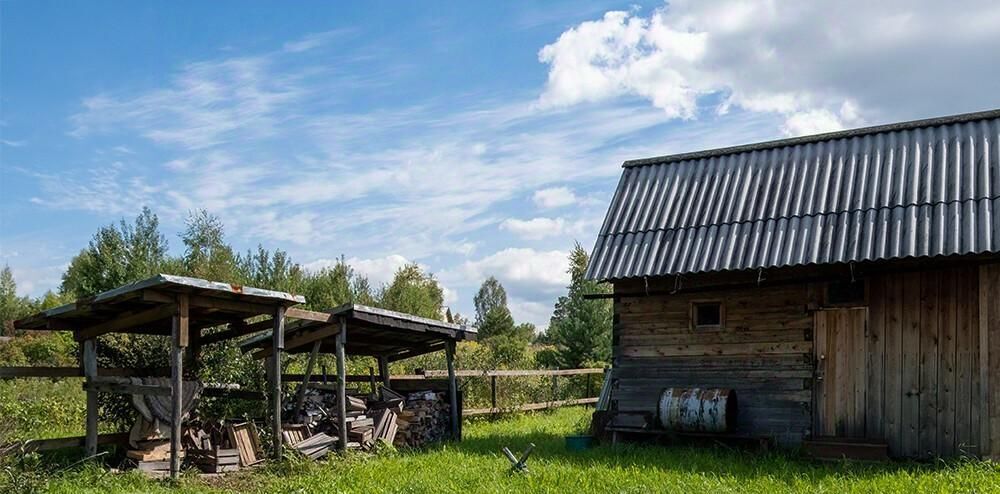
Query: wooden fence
492	375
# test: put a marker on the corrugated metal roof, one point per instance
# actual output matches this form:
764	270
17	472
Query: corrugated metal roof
924	188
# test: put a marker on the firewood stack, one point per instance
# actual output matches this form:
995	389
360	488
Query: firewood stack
412	420
424	419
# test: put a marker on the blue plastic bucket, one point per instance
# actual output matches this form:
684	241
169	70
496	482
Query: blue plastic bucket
579	443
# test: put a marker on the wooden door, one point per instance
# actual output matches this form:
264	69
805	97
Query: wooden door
840	384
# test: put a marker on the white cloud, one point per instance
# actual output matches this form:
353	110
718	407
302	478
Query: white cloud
13	144
208	103
820	66
554	197
536	313
545	270
539	228
314	40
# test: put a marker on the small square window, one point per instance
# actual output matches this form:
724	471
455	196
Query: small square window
849	293
707	315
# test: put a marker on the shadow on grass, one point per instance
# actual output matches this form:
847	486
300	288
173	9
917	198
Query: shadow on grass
707	459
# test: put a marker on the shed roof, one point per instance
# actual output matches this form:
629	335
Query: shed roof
913	189
213	303
370	331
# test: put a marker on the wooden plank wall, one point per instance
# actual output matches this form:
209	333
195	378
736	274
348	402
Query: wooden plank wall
923	362
764	353
989	362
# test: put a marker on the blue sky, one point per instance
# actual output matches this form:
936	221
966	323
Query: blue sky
473	138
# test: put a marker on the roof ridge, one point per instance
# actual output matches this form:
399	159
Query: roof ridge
828	136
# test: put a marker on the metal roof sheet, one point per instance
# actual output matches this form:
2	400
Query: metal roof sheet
914	189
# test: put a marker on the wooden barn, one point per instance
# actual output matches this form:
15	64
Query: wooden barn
846	285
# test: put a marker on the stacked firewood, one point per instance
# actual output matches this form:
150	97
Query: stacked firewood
424	419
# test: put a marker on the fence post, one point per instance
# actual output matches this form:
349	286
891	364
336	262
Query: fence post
493	392
555	389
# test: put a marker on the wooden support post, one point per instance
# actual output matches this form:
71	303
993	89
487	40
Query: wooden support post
90	371
449	350
383	370
179	342
324	374
589	390
300	397
493	392
342	385
555	387
278	344
193	354
371	378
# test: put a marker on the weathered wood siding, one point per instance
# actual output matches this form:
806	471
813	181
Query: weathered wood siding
764	353
923	395
931	358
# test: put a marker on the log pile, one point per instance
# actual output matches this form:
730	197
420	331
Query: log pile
413	420
425	419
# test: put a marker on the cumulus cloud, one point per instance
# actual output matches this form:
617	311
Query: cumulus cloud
554	197
539	228
544	270
821	66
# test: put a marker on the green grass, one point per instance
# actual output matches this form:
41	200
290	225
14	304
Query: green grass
476	465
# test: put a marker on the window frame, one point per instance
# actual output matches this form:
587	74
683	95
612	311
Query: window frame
862	303
693	315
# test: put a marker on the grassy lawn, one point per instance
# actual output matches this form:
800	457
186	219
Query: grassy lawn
477	465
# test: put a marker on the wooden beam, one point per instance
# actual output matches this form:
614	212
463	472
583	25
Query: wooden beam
351	378
50	372
469	412
90	370
300	397
309	315
247	308
121	388
342	384
383	369
154	314
179	341
119	438
514	373
277	345
299	339
236	330
413	352
452	390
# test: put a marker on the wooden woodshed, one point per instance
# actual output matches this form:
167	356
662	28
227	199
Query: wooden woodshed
845	285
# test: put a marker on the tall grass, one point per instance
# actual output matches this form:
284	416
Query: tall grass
477	466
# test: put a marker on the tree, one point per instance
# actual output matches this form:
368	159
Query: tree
206	254
414	292
507	340
491	296
116	256
335	286
580	329
12	307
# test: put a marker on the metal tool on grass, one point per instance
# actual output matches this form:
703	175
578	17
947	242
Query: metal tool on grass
522	464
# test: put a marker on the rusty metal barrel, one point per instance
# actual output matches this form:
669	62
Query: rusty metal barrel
698	410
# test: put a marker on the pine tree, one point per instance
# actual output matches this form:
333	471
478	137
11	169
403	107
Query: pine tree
580	329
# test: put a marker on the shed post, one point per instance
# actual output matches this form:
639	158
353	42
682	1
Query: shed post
278	344
90	371
342	384
449	351
383	370
306	378
179	343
